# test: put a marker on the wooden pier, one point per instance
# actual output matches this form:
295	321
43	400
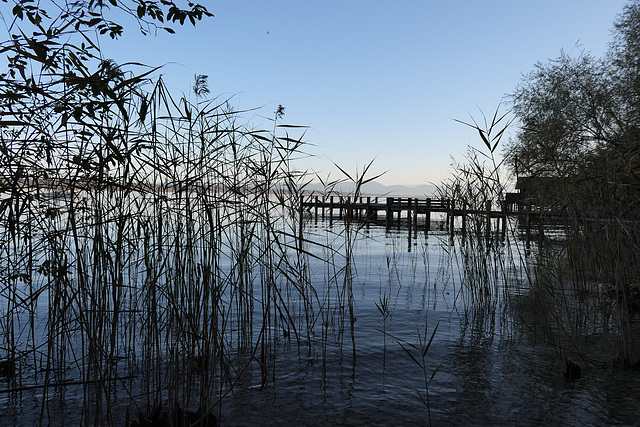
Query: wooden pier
411	209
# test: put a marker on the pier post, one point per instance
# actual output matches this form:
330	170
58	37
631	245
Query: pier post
301	223
353	209
540	227
448	217
389	212
409	222
488	213
453	217
330	209
527	224
316	207
347	210
415	216
324	203
505	210
375	212
464	218
427	220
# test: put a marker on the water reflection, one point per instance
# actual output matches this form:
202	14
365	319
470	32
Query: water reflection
497	359
496	368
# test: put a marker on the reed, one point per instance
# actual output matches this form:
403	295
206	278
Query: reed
160	257
478	185
153	254
385	312
418	354
580	277
587	280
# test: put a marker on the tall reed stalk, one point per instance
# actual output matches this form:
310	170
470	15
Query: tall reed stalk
580	280
159	257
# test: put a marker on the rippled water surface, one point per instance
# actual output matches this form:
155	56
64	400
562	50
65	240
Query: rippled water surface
491	367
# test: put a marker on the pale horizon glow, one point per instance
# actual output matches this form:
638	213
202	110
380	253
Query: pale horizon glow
373	80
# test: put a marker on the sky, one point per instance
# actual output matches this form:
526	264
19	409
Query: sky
375	80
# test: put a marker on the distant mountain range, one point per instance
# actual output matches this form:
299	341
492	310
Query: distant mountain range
374	188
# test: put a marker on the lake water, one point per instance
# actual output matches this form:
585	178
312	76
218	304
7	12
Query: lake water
492	368
492	364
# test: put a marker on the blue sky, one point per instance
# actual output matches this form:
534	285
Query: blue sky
373	79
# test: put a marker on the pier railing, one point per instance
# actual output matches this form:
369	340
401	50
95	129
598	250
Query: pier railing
411	208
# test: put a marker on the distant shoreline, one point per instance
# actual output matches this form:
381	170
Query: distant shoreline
376	189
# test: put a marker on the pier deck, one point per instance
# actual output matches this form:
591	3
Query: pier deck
410	208
371	207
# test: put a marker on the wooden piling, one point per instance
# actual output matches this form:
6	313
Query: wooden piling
427	221
527	224
368	215
453	217
415	217
330	210
448	217
409	216
315	210
464	219
504	218
540	227
488	217
375	211
301	215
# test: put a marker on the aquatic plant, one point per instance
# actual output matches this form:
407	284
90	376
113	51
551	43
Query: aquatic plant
581	273
155	253
418	354
383	307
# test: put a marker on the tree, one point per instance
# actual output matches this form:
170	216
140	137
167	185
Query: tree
580	120
566	112
576	110
57	86
624	55
580	125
